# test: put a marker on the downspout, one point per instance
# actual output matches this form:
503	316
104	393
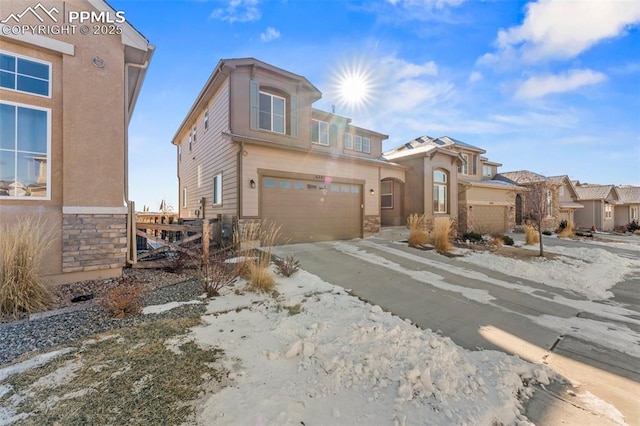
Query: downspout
131	228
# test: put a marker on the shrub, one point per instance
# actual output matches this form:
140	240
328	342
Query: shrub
417	230
507	240
22	248
260	279
547	233
178	262
474	237
496	241
563	224
441	234
122	301
287	266
531	235
567	230
216	274
633	226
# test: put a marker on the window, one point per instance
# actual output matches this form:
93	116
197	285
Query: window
348	141
358	143
366	145
320	132
180	152
271	112
548	205
561	191
440	190
206	119
194	133
487	171
386	194
608	210
184	197
634	213
464	167
25	75
24	151
217	189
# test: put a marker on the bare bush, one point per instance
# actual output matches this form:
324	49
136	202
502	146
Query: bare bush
217	273
124	300
287	266
22	248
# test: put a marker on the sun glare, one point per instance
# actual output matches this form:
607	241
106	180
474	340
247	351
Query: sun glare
353	86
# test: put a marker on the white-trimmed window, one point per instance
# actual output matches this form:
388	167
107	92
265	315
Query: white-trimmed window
25	151
184	197
464	167
320	132
440	191
272	112
487	171
386	194
634	213
548	201
561	191
608	211
357	143
348	141
194	133
24	74
366	145
206	119
217	189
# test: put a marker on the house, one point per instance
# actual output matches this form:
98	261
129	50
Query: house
599	204
524	203
253	148
629	205
450	178
65	103
567	198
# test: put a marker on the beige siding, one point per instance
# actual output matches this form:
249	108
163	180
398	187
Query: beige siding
414	187
258	157
212	153
489	196
392	173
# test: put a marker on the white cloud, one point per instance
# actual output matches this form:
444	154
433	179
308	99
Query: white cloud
270	34
540	86
560	29
474	77
426	4
238	11
407	70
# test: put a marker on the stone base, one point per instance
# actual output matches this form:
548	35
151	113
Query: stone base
371	225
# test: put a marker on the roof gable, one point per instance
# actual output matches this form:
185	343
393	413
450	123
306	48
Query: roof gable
629	194
520	177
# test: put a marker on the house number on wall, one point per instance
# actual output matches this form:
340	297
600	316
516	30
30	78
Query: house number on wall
319	177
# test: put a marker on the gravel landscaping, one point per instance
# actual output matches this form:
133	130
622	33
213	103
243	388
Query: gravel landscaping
66	322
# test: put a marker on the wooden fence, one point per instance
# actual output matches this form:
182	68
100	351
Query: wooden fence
193	238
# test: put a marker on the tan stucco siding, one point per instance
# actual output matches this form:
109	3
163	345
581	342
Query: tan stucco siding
392	173
258	157
448	164
588	216
212	153
488	196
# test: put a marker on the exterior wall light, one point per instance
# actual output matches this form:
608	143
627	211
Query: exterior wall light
252	183
372	192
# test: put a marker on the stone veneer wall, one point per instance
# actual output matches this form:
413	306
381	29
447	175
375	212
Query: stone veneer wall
93	241
371	225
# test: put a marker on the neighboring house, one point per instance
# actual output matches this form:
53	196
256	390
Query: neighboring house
66	102
599	206
629	205
523	208
252	147
567	198
449	178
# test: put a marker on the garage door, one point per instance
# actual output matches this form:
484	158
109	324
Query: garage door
310	210
489	219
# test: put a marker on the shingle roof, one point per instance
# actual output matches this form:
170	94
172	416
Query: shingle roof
426	144
558	179
520	177
594	192
629	194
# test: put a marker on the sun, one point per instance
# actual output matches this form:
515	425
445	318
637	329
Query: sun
353	86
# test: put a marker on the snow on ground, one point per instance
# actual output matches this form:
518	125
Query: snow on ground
318	355
590	272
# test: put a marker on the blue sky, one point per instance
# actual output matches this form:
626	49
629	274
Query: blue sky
548	86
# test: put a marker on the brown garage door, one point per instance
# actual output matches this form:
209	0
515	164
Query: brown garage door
489	219
312	211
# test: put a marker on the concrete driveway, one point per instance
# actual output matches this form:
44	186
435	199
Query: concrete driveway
482	309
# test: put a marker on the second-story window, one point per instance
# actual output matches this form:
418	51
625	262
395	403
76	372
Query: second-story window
24	75
194	133
206	120
464	167
320	132
366	145
487	171
272	113
348	141
358	143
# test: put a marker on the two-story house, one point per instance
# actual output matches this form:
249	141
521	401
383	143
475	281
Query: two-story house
567	198
65	103
450	178
253	148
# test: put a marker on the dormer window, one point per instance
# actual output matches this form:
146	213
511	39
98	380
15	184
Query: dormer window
320	132
272	112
